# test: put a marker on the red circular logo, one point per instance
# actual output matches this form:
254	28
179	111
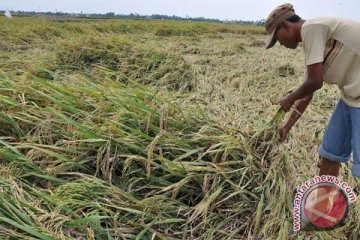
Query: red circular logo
325	206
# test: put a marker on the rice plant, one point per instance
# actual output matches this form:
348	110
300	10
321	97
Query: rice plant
120	130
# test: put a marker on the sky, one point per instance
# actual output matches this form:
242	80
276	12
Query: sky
219	9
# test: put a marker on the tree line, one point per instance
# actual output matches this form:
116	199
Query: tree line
112	15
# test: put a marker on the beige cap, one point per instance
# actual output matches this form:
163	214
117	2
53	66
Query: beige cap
275	18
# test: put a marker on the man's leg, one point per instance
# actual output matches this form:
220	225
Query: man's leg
336	145
328	167
335	149
355	140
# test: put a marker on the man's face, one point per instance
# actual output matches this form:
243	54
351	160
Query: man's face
286	36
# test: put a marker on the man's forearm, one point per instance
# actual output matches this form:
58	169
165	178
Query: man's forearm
300	108
306	89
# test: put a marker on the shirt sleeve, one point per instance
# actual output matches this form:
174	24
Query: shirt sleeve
314	39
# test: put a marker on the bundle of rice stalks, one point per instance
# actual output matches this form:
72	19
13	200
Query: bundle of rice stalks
265	139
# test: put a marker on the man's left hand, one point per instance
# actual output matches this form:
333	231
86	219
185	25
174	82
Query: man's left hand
287	102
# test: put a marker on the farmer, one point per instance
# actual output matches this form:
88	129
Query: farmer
332	55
